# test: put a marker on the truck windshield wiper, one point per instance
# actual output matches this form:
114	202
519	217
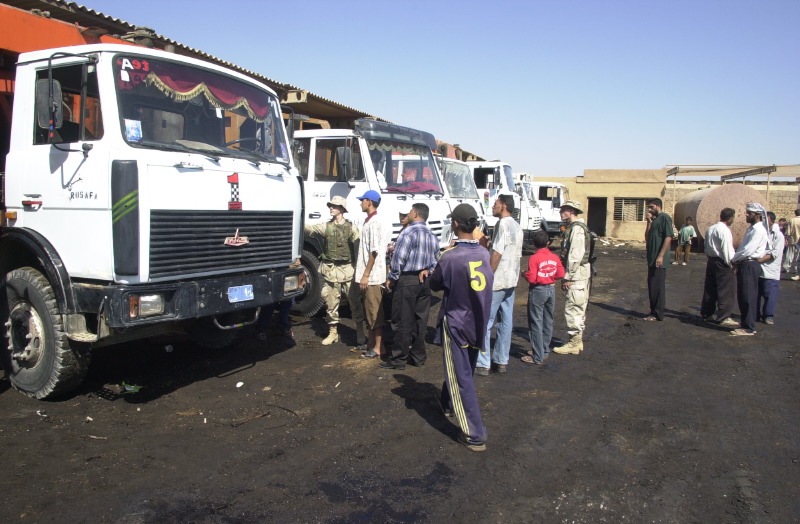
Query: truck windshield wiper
251	156
176	146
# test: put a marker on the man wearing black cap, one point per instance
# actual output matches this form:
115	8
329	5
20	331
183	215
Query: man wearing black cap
465	274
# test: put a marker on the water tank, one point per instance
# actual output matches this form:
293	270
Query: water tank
704	206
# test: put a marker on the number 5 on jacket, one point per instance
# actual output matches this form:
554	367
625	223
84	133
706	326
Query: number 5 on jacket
480	284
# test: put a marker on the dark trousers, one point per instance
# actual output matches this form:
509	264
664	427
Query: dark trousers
719	290
411	302
657	290
284	323
767	298
747	292
458	391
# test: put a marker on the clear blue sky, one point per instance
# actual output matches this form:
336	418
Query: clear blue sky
551	87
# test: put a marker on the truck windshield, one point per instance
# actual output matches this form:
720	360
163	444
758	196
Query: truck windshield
458	178
411	168
508	174
172	106
525	190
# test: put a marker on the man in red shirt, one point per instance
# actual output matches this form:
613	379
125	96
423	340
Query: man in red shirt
544	268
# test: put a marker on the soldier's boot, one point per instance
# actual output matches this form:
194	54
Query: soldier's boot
333	336
573	347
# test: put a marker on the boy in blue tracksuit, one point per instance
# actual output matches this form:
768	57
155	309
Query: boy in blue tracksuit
465	275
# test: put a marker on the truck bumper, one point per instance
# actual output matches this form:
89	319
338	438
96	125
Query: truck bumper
183	300
553	228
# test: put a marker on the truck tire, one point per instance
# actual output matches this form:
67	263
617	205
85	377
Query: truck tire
206	335
310	301
39	359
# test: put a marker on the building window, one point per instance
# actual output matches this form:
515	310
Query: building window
630	209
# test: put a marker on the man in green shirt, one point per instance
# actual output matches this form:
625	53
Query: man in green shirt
658	236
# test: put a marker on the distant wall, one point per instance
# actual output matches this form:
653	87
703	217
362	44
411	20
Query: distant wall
635	184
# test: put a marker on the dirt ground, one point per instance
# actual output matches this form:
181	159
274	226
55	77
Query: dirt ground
670	421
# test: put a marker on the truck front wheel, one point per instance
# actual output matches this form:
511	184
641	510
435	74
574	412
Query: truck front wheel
40	360
310	301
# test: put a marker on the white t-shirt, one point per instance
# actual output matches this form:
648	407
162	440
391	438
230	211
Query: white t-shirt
373	238
507	241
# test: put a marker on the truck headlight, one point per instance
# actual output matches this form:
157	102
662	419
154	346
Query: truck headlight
291	283
145	305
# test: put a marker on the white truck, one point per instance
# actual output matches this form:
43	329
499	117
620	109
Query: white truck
461	185
395	161
146	193
548	197
496	177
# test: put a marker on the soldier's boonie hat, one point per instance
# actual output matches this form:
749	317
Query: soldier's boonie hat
463	213
339	201
574	205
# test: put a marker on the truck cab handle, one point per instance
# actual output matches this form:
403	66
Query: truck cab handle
315	214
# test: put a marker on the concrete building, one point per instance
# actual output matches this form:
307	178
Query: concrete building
614	199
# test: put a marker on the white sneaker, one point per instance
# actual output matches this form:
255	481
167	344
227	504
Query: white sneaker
742	333
674	263
796	277
729	322
683	263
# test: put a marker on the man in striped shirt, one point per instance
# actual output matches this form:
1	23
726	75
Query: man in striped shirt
414	258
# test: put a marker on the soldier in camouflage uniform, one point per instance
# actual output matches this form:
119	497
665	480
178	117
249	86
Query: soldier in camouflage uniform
575	248
336	267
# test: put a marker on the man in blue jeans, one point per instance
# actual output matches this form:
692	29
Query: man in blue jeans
505	251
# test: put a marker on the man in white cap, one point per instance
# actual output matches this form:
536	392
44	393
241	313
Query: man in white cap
575	245
336	267
747	264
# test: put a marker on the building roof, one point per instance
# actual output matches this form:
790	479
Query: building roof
303	102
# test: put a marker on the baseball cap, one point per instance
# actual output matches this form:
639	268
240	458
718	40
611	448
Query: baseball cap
338	201
371	195
463	213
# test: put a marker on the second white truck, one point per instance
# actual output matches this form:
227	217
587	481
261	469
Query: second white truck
396	161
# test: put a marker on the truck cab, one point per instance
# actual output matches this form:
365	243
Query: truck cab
495	177
395	161
550	196
461	186
146	193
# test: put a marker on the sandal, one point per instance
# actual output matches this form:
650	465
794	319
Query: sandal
369	354
529	360
358	349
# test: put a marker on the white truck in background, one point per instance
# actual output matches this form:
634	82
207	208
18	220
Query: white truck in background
146	193
496	177
461	186
397	162
548	197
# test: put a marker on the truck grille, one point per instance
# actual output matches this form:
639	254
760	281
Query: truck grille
192	242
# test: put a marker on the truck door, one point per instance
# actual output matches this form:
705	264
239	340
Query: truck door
334	168
68	171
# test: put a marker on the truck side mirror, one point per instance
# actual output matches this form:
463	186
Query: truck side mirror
344	163
49	113
290	121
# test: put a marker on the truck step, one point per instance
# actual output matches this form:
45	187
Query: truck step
83	336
